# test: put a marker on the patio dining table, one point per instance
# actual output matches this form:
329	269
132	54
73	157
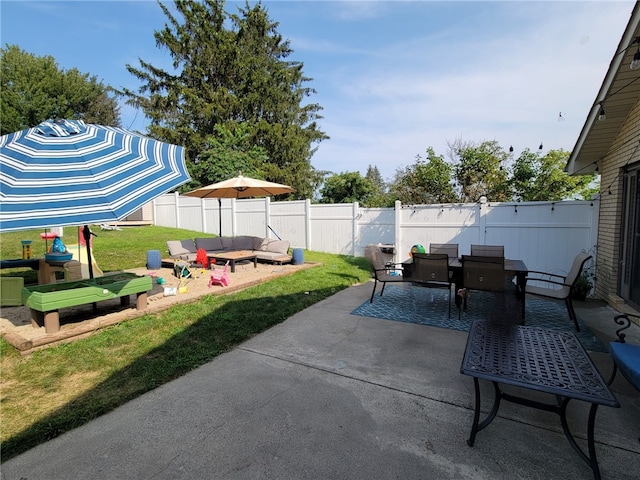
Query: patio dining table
513	268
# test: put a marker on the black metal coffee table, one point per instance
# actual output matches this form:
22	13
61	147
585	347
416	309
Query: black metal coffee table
537	359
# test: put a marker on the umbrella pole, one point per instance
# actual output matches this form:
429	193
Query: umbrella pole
86	233
220	216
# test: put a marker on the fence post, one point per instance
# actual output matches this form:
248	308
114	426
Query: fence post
203	215
398	231
354	227
482	220
307	224
267	215
177	208
153	211
234	219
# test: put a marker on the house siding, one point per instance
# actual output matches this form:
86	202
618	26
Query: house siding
624	151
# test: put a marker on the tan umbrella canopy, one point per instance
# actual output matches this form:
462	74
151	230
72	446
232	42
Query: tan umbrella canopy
239	187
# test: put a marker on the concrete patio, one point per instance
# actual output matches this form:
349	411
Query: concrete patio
330	395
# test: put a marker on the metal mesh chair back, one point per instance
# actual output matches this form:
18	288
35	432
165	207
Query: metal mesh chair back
487	250
483	273
430	267
451	249
375	257
381	270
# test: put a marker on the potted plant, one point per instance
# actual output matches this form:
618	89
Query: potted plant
583	284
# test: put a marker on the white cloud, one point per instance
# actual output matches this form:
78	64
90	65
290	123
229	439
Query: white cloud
508	83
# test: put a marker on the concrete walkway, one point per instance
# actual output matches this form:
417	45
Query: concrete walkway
329	395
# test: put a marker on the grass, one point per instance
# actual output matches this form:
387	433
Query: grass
63	387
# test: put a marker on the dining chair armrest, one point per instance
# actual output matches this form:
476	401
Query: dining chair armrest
390	266
546	280
546	274
625	322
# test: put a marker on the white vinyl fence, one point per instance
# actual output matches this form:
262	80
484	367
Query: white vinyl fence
545	235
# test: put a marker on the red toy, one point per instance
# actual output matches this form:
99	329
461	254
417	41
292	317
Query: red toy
201	258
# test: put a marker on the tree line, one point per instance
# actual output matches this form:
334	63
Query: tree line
470	172
237	102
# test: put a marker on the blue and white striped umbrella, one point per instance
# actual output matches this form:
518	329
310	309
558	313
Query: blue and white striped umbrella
70	173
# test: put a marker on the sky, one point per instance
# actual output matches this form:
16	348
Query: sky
393	77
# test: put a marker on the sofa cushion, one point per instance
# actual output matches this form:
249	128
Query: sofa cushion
181	247
278	246
210	244
227	243
272	256
260	243
243	242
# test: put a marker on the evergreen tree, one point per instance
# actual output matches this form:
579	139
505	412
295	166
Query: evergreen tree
231	69
379	197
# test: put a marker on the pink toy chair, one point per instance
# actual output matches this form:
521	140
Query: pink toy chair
220	277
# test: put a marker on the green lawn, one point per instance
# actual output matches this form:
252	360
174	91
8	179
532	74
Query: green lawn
60	388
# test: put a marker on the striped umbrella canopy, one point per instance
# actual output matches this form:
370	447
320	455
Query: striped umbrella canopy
66	172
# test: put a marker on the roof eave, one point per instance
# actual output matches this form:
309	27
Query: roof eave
574	165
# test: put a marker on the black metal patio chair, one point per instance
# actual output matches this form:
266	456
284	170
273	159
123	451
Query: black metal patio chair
382	270
431	270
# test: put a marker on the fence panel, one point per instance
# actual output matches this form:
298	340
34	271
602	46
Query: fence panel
375	225
165	211
332	227
546	235
289	222
250	217
427	224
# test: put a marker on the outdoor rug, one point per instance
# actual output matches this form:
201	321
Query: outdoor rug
429	306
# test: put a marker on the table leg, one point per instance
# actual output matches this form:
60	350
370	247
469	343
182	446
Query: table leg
521	286
233	266
590	459
497	396
255	262
476	413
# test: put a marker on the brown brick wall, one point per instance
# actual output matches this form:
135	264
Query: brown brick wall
624	151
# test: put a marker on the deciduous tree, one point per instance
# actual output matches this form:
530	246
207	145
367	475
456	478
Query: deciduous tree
542	178
34	89
424	182
481	170
346	187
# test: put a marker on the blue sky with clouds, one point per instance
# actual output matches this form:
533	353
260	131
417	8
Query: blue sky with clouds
393	77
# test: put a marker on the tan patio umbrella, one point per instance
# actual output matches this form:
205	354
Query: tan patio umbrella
239	187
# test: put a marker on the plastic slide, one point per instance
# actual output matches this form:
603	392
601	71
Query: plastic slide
80	253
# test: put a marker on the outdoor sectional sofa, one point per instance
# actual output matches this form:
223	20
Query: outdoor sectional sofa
266	249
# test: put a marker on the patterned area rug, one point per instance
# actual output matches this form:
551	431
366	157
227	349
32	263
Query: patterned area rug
429	306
